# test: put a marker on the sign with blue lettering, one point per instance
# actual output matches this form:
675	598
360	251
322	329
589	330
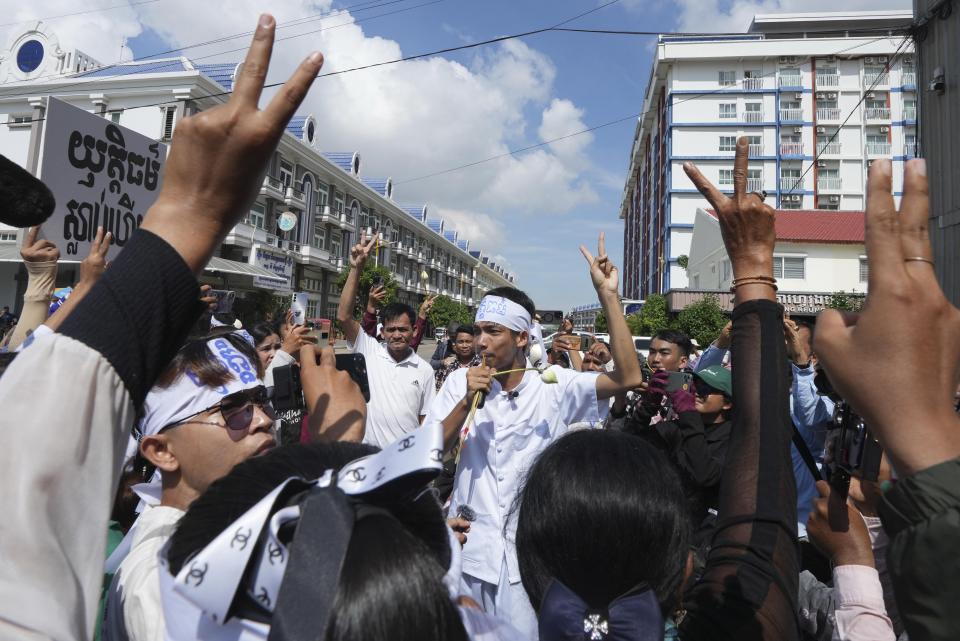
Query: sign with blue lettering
102	175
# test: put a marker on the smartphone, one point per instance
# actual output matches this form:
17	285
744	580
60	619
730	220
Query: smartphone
679	380
573	341
376	282
225	300
356	366
299	307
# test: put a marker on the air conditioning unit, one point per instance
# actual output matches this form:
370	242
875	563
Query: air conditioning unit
792	59
884	130
881	58
870	94
868	60
798	130
907	60
821	130
796	198
821	163
834	199
783	59
798	96
831	96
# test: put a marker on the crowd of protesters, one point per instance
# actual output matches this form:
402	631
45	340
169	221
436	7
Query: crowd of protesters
502	490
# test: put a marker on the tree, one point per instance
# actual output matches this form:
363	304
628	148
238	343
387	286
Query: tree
370	272
846	302
651	318
600	323
702	320
446	311
683	260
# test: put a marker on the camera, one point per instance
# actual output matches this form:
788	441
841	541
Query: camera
288	391
855	450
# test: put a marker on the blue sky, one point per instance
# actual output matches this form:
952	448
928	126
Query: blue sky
604	76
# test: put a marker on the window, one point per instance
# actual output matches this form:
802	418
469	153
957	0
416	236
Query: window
312	308
790	203
864	269
726	176
724	271
323	195
728	110
790	105
168	121
19	120
8	236
828	203
828	172
114	116
319	236
335	244
789	176
753	107
257	216
755	140
876	139
728	143
789	267
338	203
728	78
286	174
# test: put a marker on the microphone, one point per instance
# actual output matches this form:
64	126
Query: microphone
25	200
513	394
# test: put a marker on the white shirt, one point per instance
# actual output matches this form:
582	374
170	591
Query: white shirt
134	611
400	392
506	437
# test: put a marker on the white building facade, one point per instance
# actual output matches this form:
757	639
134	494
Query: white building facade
326	191
819	95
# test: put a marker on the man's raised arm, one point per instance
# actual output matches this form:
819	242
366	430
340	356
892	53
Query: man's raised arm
358	258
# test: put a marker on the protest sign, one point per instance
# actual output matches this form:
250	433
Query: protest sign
101	174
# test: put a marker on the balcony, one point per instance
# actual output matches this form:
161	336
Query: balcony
314	254
830	114
754	184
323	214
245	234
910	113
751	116
272	187
828	80
825	184
790	79
289	245
910	149
878	113
756	150
908	78
876	79
791	149
878	149
341	221
793	115
828	149
294	197
789	183
753	83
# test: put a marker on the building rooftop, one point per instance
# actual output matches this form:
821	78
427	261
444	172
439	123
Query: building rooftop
839	20
817	226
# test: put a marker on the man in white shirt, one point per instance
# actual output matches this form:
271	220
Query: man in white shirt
401	383
521	416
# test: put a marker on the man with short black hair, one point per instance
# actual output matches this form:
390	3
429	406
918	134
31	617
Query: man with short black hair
401	383
669	350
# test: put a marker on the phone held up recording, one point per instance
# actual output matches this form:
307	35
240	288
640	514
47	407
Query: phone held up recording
288	391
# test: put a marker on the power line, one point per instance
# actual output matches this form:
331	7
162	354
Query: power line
612	122
79	13
296	22
863	96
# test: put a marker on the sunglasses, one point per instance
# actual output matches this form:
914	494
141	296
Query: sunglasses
237	410
702	389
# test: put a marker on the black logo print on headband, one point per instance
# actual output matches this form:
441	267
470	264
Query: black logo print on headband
436	455
275	553
380	474
240	538
406	443
357	475
196	573
264	597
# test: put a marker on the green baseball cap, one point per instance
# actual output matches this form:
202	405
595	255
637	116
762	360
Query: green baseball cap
718	377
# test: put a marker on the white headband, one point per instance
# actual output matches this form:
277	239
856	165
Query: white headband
495	309
196	601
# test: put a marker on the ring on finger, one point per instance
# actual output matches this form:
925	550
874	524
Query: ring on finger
918	259
762	194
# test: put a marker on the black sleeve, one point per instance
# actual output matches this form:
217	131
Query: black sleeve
139	312
749	586
703	463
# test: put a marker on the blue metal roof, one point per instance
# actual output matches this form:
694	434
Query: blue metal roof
169	65
436	224
419	212
451	235
463	244
379	185
475	253
342	159
296	125
219	72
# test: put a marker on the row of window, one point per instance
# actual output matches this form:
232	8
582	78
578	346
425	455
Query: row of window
873	73
784	267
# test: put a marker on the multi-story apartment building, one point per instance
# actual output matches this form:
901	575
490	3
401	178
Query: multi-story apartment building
326	191
819	95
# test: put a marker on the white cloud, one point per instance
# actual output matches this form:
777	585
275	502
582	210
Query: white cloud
562	118
483	230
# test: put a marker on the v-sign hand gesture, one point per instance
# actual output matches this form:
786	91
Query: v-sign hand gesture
360	252
603	273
